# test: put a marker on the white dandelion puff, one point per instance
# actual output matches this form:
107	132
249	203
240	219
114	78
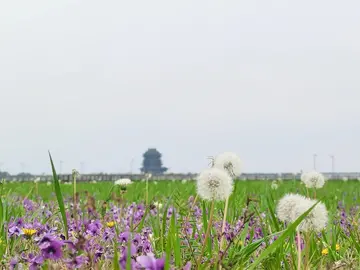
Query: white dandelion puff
93	181
230	162
123	182
313	179
48	183
214	184
37	180
345	179
291	206
274	185
184	181
287	205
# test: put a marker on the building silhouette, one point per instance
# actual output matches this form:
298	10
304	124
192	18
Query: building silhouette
152	162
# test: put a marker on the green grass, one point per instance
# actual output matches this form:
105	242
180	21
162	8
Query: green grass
176	194
334	191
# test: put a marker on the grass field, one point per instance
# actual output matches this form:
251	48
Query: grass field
112	227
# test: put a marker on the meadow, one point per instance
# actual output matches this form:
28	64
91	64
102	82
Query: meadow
164	225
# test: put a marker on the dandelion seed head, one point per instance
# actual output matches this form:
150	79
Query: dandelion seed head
230	162
291	206
123	182
214	184
313	179
286	206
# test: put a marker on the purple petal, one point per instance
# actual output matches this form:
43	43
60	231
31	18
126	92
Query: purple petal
146	262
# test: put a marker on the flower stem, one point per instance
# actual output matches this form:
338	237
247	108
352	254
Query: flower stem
224	223
299	250
223	227
207	233
307	250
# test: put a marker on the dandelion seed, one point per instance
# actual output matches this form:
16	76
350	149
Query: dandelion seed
229	162
214	184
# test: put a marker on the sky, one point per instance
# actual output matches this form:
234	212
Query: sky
99	82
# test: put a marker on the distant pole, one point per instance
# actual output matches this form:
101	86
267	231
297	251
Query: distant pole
332	165
314	157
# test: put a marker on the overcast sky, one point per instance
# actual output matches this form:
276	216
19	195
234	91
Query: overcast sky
99	82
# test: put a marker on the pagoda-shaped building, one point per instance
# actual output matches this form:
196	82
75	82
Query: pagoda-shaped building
152	162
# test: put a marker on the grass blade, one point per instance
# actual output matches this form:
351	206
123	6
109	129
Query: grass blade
59	197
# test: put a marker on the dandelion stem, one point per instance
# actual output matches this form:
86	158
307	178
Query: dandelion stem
224	222
206	234
223	226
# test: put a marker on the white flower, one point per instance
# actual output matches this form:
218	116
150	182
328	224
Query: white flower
214	184
37	180
93	181
48	183
345	179
155	182
291	206
313	179
123	182
158	205
229	162
274	185
184	181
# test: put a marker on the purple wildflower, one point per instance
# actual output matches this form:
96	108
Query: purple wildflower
53	251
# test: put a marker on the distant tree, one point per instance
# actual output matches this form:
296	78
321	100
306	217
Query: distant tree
4	175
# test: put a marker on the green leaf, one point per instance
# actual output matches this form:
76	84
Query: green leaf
176	241
59	197
116	257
